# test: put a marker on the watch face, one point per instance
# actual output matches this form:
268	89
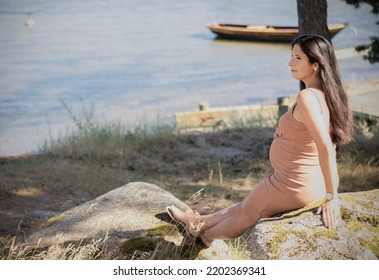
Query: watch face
329	196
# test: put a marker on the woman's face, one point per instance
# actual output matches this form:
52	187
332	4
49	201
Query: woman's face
301	68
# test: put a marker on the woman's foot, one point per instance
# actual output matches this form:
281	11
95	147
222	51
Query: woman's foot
188	220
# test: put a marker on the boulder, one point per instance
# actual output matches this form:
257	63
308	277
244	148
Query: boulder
129	222
301	234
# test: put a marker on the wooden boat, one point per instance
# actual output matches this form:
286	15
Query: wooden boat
265	33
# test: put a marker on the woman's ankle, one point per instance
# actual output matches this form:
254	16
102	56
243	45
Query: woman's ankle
196	227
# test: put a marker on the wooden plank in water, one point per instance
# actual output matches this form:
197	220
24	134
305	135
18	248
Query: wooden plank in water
364	101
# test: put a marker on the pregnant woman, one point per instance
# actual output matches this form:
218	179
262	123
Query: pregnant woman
302	154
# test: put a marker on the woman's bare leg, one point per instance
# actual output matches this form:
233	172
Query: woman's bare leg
211	226
230	222
196	223
217	217
231	227
244	216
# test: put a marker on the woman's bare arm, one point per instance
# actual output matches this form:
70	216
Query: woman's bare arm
310	114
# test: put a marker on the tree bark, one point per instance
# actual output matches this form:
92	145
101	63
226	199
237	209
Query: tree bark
312	16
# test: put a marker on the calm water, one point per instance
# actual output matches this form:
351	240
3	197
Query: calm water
136	60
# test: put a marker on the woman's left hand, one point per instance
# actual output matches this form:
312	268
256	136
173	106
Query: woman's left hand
330	210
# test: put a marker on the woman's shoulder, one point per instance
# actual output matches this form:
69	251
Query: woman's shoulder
310	93
310	99
311	96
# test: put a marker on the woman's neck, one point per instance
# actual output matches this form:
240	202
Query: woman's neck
313	84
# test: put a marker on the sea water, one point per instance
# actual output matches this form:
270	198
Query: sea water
137	61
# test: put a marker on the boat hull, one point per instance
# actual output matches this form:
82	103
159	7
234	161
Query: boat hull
262	32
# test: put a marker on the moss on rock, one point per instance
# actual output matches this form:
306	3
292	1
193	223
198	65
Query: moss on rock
138	244
372	244
164	230
301	234
281	235
366	222
324	232
54	220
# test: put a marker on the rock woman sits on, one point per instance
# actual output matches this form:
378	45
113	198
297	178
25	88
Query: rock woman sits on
302	154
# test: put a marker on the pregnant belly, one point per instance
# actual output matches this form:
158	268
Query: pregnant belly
295	163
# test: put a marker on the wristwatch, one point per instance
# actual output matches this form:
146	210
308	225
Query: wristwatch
330	196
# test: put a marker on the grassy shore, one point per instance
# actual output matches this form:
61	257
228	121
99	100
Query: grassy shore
221	166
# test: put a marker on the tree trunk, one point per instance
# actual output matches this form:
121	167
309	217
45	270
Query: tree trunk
312	15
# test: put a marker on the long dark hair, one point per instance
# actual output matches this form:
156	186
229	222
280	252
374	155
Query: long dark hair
320	50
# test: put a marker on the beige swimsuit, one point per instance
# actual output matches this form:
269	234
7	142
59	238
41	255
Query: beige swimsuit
297	179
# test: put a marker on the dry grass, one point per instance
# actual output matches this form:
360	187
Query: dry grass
359	160
81	251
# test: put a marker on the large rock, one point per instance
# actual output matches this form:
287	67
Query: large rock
130	222
301	234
